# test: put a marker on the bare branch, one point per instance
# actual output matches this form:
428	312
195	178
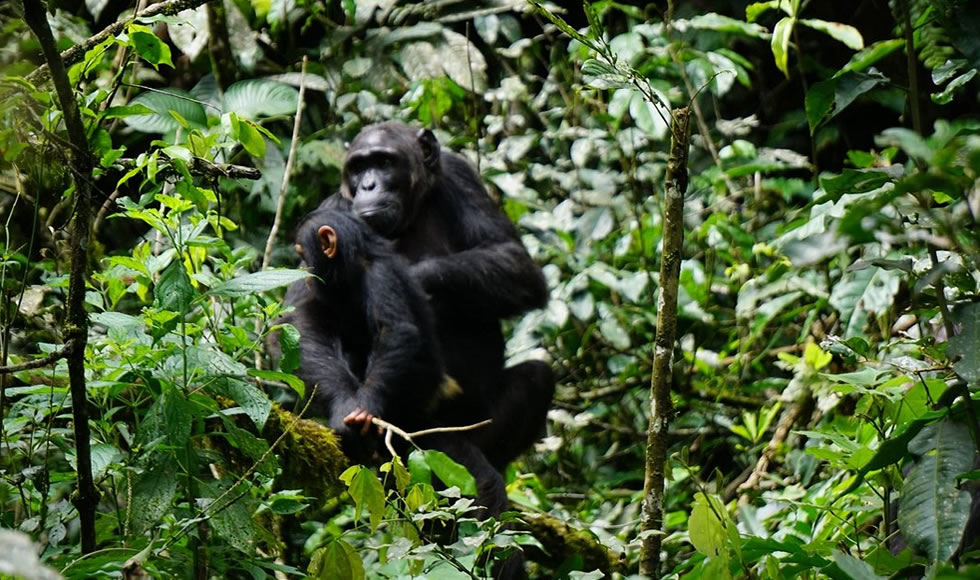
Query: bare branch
287	171
38	362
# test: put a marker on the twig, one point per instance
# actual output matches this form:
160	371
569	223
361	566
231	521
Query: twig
288	170
77	52
389	428
76	318
38	362
202	166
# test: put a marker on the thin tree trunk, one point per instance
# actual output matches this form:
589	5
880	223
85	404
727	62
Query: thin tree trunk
661	409
76	319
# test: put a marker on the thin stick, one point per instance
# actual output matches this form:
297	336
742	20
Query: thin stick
289	169
389	429
37	363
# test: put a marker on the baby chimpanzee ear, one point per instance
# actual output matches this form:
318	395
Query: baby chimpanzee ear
328	241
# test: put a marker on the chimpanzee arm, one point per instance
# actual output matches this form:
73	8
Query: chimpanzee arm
325	368
403	370
490	268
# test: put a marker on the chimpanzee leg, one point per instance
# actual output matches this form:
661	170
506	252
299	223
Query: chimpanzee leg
518	411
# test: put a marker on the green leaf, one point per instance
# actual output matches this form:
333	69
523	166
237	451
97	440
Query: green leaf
150	48
366	490
256	98
450	472
855	568
173	291
828	98
169	418
933	510
946	96
161	103
966	344
842	32
127	111
871	54
602	75
230	518
294	382
756	9
421	473
338	560
247	133
780	43
863	292
713	21
153	495
289	346
855	181
706	528
250	398
258	282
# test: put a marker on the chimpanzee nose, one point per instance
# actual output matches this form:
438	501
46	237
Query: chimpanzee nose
368	184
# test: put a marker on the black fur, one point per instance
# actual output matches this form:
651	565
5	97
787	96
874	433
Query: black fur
367	332
469	259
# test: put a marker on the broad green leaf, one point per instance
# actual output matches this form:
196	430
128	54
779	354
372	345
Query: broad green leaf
450	472
706	528
842	32
602	75
780	43
713	21
251	139
856	181
173	290
250	398
651	118
102	455
946	96
756	9
170	418
871	54
828	98
366	490
258	282
855	568
230	519
294	382
966	345
420	470
257	98
289	346
149	47
127	111
863	292
153	495
908	140
933	510
338	560
161	103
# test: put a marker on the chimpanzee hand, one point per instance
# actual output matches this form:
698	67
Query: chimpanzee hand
360	419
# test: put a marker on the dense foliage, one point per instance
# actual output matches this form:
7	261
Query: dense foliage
828	355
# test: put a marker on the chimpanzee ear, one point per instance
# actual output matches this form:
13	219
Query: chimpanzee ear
328	241
430	148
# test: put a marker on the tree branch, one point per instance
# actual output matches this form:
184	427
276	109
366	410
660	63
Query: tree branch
76	319
38	362
661	409
77	52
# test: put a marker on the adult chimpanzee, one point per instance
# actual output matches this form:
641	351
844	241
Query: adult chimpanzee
469	259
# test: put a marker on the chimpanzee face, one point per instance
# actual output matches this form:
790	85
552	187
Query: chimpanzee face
388	170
